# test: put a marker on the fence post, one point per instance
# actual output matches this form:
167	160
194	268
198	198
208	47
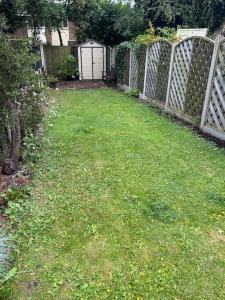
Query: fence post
170	75
43	59
146	69
210	81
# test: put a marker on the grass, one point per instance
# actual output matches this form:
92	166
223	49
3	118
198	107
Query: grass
127	205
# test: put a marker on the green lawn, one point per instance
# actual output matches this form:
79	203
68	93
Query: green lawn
128	205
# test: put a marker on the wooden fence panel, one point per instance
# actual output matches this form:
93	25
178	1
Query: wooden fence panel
127	67
133	70
157	73
123	68
141	67
54	56
189	76
213	118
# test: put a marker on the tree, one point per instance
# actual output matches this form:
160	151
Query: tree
20	96
207	13
9	9
37	13
192	13
110	22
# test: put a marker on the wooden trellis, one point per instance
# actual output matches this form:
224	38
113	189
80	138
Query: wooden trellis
141	68
213	116
124	68
133	70
189	76
157	70
127	67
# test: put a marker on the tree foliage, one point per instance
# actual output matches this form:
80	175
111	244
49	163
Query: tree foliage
107	21
191	13
152	35
36	14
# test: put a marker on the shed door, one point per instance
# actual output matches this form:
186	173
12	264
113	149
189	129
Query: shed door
98	64
92	62
86	63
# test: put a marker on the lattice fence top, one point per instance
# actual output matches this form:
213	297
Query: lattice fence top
215	117
157	73
192	59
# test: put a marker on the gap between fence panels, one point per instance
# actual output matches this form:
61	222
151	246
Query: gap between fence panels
186	79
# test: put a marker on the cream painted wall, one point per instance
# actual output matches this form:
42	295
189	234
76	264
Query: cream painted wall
65	37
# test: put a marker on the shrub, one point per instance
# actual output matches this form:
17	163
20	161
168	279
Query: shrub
153	35
51	81
22	95
69	68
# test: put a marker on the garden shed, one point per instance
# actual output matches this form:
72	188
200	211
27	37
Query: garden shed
92	60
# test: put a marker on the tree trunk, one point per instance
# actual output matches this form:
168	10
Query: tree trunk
60	37
10	165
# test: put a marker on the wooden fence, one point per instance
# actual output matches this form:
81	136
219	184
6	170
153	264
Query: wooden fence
54	56
186	79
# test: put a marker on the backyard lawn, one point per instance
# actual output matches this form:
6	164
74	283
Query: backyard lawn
127	205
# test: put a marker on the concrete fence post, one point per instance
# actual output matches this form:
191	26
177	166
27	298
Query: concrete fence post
170	75
210	80
145	75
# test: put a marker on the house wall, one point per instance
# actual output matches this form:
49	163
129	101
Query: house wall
65	37
47	37
41	34
20	33
71	31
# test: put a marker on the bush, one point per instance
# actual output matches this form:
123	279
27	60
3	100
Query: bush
153	35
69	68
51	81
23	98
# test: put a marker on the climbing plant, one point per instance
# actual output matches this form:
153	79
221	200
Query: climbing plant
122	52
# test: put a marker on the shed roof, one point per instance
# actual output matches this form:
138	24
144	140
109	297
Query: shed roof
90	40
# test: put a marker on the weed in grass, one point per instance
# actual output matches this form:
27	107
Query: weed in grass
152	209
85	130
160	211
17	200
216	198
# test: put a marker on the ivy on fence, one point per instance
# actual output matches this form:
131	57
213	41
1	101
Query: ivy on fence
123	63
